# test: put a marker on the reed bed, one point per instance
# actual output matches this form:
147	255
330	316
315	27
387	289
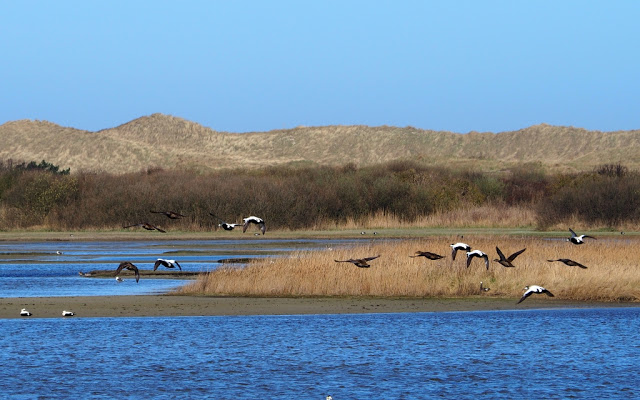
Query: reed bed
612	275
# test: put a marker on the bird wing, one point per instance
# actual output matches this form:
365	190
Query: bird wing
573	234
157	264
349	260
548	293
502	257
454	251
158	229
486	261
587	236
263	227
179	267
516	254
135	269
469	258
580	265
245	226
122	266
525	295
370	258
131	226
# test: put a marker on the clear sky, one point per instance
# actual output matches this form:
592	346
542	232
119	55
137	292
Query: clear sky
259	65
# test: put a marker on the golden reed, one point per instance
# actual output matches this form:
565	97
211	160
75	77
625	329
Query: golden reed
613	273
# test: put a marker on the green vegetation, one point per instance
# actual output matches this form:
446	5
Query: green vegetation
313	197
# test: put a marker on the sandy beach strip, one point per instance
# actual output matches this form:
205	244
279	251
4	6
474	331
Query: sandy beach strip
178	305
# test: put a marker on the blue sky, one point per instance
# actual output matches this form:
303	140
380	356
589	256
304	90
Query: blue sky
244	66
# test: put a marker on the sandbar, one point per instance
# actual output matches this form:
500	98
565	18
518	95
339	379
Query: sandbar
185	305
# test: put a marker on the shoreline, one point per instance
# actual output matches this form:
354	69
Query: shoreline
182	305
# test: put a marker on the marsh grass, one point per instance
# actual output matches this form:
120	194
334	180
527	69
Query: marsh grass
613	273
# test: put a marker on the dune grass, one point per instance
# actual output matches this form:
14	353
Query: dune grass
612	275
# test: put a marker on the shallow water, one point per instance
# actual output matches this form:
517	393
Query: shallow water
583	354
34	269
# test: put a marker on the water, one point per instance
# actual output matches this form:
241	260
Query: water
555	354
34	269
563	354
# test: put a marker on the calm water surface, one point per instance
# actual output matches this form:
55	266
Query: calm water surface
561	354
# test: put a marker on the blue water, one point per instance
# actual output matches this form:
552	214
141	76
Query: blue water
34	269
545	354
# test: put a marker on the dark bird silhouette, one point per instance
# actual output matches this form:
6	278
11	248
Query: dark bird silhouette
507	262
428	254
146	226
483	289
458	246
130	267
575	239
569	262
223	224
170	214
254	220
529	290
479	254
359	262
166	263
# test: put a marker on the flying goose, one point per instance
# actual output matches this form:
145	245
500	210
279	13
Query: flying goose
459	246
529	290
146	226
359	262
130	267
254	220
223	224
428	254
569	262
25	313
507	262
575	239
483	289
170	214
479	254
166	263
66	313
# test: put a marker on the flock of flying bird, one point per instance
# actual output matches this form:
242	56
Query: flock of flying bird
506	262
252	220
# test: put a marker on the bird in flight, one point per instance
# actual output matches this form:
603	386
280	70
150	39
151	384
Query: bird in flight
569	262
479	254
166	263
127	265
359	262
223	224
428	254
458	246
507	261
575	239
529	290
147	226
170	214
254	220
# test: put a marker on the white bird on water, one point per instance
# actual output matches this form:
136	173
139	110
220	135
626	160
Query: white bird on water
25	313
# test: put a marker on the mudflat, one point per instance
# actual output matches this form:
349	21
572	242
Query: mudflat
180	305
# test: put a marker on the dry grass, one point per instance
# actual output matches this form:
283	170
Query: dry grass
613	272
171	142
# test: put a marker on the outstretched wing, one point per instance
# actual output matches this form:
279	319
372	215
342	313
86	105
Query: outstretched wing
548	293
263	227
371	258
135	269
486	261
469	258
121	267
573	234
516	254
502	257
157	264
587	236
158	229
179	267
454	251
525	295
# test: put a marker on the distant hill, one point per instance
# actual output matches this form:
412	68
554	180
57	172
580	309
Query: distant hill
169	142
